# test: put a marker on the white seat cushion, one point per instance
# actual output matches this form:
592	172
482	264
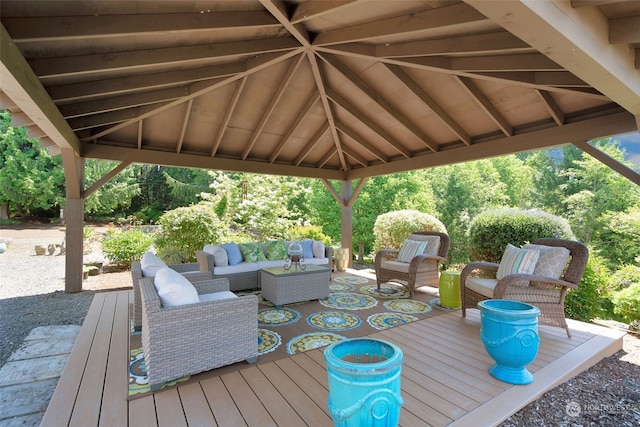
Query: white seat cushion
215	296
243	267
402	267
482	286
174	289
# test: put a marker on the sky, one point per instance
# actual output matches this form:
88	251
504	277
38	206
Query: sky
631	143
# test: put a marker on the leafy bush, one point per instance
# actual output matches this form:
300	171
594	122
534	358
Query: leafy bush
624	277
309	232
492	230
392	228
185	230
586	302
148	215
126	246
626	303
619	239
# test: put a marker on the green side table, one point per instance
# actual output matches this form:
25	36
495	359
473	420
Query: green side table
449	287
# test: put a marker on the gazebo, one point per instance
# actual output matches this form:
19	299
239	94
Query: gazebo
336	90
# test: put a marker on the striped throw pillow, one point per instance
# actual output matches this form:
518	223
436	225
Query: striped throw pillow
409	249
516	260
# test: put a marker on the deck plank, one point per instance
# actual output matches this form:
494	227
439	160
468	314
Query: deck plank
87	407
60	408
116	386
195	405
169	409
142	412
250	406
445	378
273	401
224	409
310	411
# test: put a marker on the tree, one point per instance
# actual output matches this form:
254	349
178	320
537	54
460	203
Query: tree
115	195
31	181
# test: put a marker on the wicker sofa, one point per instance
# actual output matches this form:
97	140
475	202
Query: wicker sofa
189	270
246	274
192	338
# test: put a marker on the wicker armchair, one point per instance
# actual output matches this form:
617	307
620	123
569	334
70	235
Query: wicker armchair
423	270
192	338
546	293
190	270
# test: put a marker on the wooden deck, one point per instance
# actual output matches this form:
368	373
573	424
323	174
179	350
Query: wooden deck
444	378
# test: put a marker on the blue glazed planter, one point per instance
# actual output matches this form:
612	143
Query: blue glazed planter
364	382
509	332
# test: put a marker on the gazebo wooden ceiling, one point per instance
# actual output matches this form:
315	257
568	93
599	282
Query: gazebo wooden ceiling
328	89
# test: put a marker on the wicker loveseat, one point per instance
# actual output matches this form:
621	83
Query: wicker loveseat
192	338
245	274
189	270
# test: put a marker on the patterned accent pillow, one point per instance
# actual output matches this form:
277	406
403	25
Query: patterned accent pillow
252	252
409	249
276	249
516	260
552	260
233	253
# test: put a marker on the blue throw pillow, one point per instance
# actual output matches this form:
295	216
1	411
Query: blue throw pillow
307	251
233	253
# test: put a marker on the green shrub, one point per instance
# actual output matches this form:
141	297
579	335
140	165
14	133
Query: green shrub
309	232
185	230
626	303
148	215
619	238
492	230
126	246
587	302
392	228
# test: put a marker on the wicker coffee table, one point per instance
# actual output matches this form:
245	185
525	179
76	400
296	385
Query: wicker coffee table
282	286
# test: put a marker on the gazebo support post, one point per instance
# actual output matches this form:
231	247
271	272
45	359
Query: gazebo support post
74	213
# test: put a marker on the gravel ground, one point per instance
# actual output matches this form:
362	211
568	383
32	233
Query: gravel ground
32	294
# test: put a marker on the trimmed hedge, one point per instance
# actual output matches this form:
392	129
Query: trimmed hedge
391	228
492	230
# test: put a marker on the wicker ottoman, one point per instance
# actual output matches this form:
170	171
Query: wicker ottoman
282	286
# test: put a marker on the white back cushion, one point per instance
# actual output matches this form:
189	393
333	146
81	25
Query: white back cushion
174	289
150	264
220	257
317	248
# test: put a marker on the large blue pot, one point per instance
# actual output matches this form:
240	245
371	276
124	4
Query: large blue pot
509	332
364	382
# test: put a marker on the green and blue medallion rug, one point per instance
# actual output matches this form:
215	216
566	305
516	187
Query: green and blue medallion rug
355	307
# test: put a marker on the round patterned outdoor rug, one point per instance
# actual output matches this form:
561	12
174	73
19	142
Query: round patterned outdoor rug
267	341
387	290
349	301
389	320
333	320
138	379
436	303
408	306
312	340
340	287
277	316
352	280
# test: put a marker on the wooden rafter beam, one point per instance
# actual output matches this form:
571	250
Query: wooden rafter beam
69	28
576	39
313	99
279	11
476	44
293	67
312	9
492	63
231	107
140	61
118	86
110	118
614	164
430	103
624	30
598	127
185	123
362	142
386	136
122	102
486	105
355	156
455	14
552	107
381	101
311	144
262	64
